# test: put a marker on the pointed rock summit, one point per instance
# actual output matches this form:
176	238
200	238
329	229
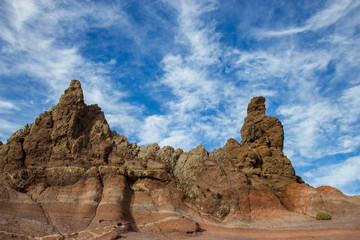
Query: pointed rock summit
67	175
256	106
263	137
73	96
261	129
70	134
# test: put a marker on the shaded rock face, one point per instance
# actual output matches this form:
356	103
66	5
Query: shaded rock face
69	175
263	137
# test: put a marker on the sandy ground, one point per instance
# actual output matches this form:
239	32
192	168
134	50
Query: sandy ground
239	234
339	228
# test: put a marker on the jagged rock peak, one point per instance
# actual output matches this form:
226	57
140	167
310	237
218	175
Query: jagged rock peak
259	128
263	136
256	105
73	96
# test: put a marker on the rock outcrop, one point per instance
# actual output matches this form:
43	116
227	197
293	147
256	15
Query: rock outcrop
68	175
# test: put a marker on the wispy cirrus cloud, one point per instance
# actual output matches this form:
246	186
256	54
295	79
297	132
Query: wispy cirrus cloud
7	127
40	32
6	106
322	19
283	71
306	74
193	112
44	39
340	175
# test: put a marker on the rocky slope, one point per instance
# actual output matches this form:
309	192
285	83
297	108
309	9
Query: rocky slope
68	175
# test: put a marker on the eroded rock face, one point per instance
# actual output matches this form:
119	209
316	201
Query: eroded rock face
264	136
69	175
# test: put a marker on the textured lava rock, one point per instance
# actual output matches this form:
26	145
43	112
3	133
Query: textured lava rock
67	175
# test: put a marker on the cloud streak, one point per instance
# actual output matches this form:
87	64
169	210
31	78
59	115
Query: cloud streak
51	56
343	176
322	19
194	112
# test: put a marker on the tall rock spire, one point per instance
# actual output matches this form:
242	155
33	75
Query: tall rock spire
259	129
262	140
73	95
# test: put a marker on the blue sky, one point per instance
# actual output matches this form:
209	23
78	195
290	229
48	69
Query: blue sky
181	73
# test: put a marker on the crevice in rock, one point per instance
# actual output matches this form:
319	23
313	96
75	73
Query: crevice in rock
101	182
99	200
248	195
23	153
47	217
128	199
78	126
108	150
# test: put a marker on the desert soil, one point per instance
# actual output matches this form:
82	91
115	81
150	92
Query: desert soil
215	233
339	228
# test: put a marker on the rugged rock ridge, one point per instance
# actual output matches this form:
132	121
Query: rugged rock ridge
69	175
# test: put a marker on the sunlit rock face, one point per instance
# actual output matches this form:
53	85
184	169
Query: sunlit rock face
68	175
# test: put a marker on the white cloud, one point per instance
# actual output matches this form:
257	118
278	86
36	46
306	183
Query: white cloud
351	101
306	115
154	127
322	19
201	38
178	138
6	106
323	127
23	11
33	33
343	175
283	71
193	111
319	112
330	15
7	128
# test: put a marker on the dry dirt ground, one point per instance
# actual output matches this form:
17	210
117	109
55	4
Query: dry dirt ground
339	228
238	234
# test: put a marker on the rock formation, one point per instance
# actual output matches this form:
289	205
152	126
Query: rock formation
68	175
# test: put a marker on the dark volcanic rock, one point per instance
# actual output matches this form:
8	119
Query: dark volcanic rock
68	176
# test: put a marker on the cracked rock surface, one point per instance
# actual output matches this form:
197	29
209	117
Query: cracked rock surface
67	175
